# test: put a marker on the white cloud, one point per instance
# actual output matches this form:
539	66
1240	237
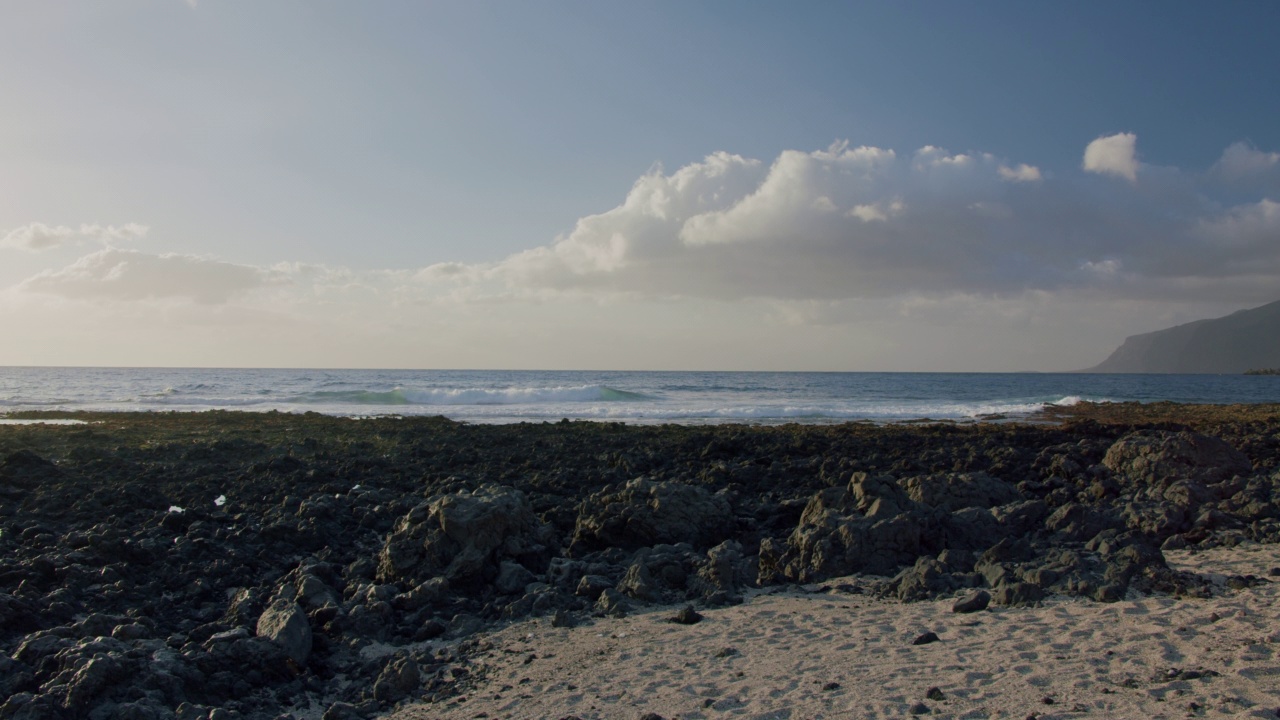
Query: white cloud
858	223
115	274
34	237
1022	173
1113	155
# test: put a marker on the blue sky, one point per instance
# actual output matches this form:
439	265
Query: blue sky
304	165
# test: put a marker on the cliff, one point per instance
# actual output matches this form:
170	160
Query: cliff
1244	340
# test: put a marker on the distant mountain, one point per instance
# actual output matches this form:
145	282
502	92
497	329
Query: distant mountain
1243	340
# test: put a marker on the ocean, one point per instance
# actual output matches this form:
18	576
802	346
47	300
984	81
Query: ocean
499	396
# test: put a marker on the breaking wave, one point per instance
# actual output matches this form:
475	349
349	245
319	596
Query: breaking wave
472	396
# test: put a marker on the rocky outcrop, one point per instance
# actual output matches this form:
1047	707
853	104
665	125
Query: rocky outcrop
643	513
464	538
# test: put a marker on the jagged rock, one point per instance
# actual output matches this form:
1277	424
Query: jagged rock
864	528
643	513
1017	593
1078	522
612	603
659	573
725	570
464	537
284	623
398	680
1159	457
956	491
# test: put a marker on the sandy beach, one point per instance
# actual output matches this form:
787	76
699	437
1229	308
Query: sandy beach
827	653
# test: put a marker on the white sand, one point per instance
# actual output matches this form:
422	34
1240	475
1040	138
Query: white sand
1066	658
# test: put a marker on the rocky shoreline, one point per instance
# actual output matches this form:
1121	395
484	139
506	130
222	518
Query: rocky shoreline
209	566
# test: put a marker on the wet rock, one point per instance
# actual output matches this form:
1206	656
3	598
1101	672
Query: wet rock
643	513
285	624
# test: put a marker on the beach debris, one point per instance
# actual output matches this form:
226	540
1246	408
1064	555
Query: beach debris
220	500
935	693
727	652
828	687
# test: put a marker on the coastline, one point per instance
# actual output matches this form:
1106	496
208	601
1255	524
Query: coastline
186	556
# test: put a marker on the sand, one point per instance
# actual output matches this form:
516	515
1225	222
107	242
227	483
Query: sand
790	654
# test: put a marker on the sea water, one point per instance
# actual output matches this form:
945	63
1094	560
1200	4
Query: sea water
497	396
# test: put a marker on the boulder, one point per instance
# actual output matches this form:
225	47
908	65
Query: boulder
871	527
1159	457
464	537
286	624
643	513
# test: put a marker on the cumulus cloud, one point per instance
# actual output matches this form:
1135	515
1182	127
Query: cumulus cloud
859	223
35	236
1113	155
116	274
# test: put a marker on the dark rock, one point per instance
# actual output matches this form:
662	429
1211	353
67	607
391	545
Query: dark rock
919	709
926	638
284	623
643	513
935	693
1157	457
612	603
398	680
1017	593
975	601
464	537
687	616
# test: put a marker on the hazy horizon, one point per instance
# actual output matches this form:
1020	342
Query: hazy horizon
995	187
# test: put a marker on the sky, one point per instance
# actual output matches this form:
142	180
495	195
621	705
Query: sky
735	185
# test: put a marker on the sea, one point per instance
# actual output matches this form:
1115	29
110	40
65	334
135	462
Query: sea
510	396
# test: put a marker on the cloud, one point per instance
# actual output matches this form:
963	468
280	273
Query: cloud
35	236
1113	155
1022	173
115	274
860	223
